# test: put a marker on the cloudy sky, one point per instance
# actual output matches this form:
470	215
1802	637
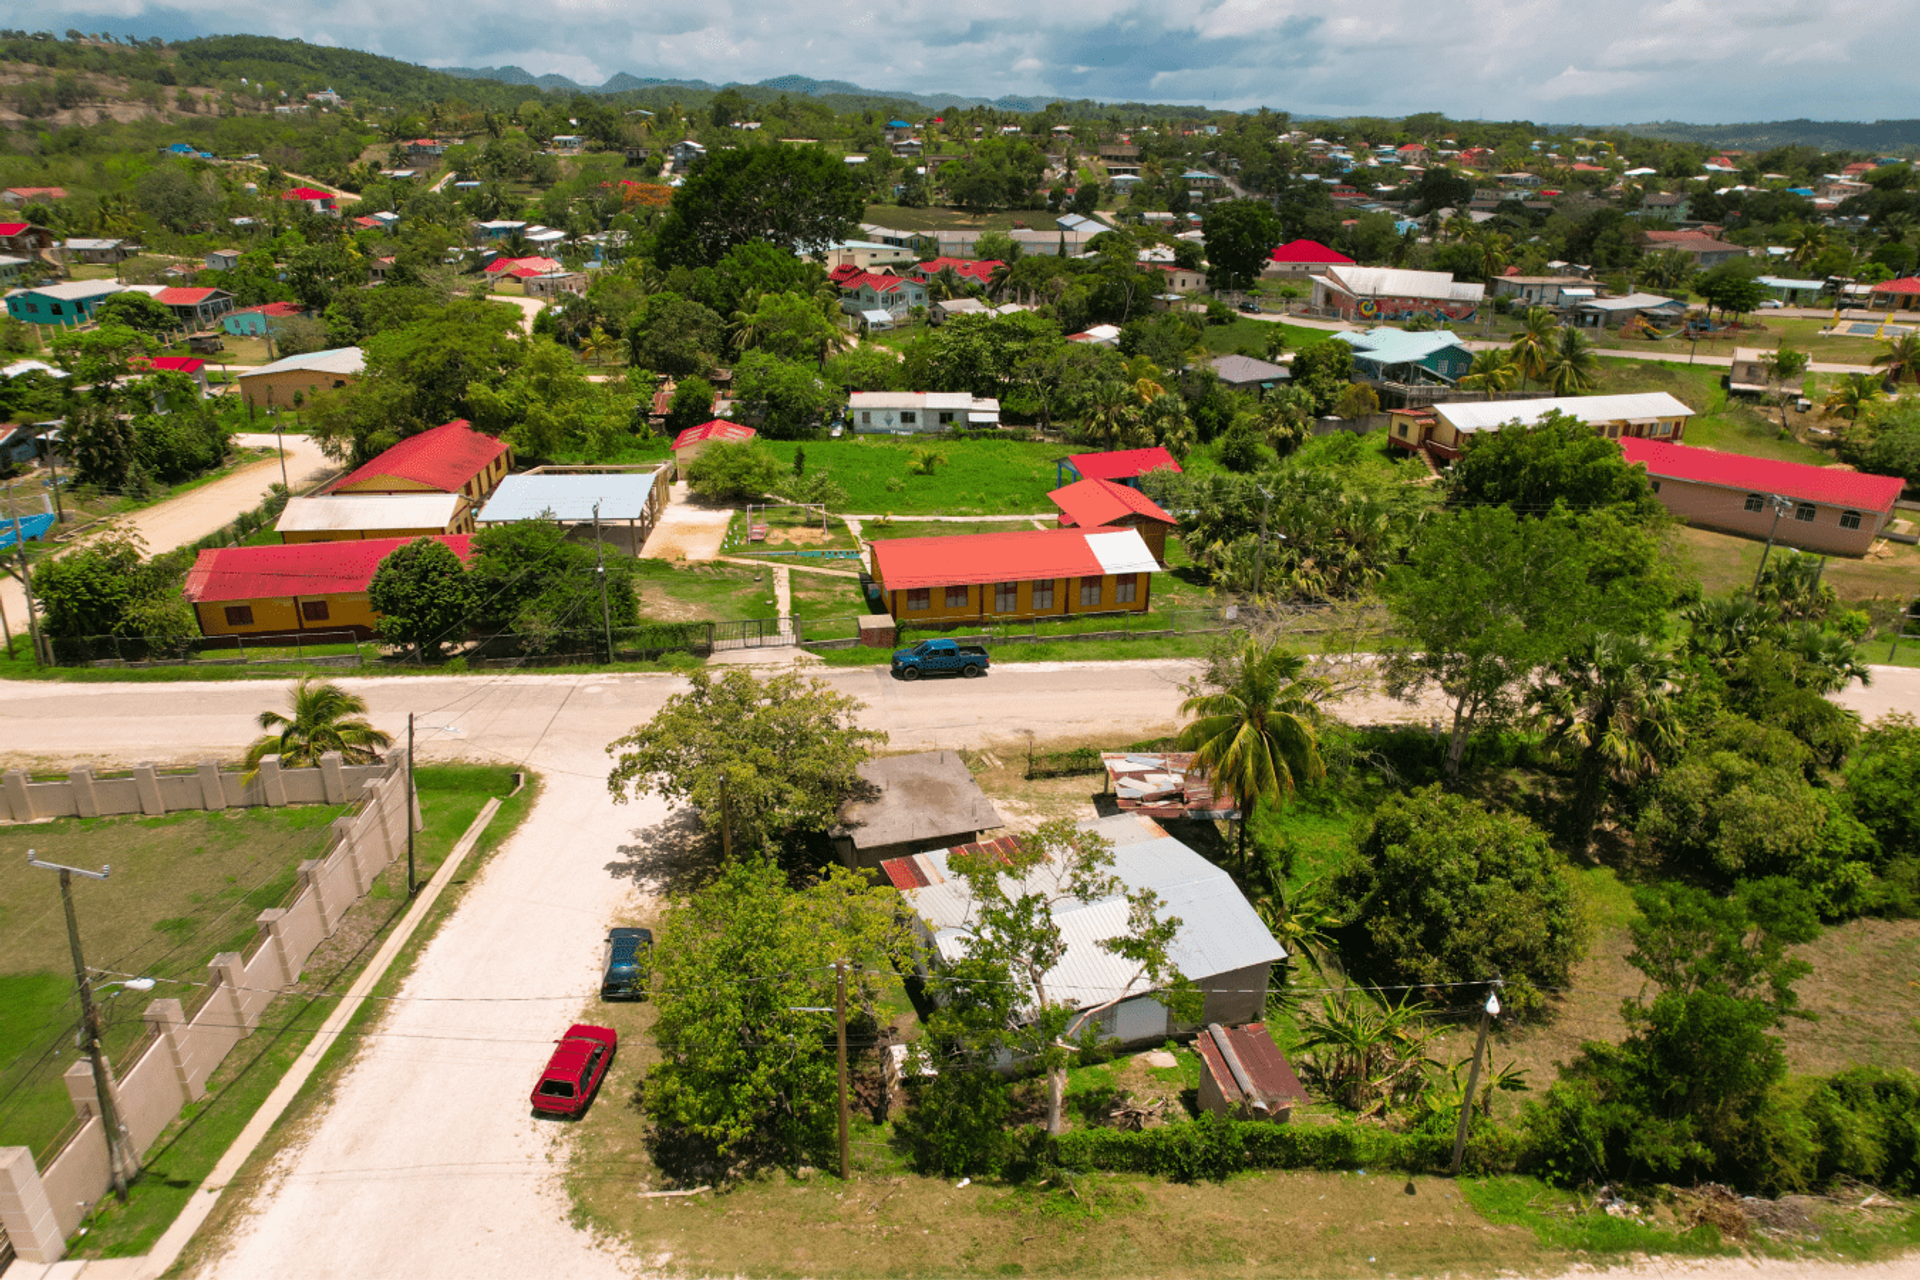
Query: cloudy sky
1565	61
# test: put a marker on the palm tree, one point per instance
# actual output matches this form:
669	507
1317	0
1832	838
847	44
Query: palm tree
925	459
1901	356
1492	252
1608	709
321	722
1808	244
1853	395
596	344
1570	365
1364	1058
1492	371
1109	406
1534	342
1257	735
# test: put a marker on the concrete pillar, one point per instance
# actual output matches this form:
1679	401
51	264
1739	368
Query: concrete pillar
271	921
333	778
346	850
80	1091
168	1018
25	1211
85	803
313	881
147	780
19	806
230	972
213	791
273	787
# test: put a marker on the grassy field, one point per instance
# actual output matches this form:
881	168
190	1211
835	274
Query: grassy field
1733	426
876	530
979	477
1726	562
450	797
934	218
708	590
184	887
788	529
1245	335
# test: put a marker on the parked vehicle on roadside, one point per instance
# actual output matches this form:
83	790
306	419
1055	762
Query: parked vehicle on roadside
574	1070
940	657
627	964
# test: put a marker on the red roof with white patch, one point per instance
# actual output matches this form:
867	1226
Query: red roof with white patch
718	429
302	569
1858	490
443	459
1093	503
1027	555
1123	465
1310	251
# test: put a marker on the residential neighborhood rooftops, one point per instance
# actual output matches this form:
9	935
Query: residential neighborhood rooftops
1122	464
1831	485
1645	406
444	458
365	511
1093	503
302	569
178	297
717	429
927	795
614	495
1027	555
339	360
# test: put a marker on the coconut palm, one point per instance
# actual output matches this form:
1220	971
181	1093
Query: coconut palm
924	459
1492	250
1853	395
324	719
1808	244
1492	371
1109	407
1608	711
596	344
1533	344
1571	366
1257	734
1900	356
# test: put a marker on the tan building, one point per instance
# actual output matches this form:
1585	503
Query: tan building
452	458
1443	430
347	517
1825	509
274	386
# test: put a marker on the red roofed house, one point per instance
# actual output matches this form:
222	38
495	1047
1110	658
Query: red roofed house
257	322
290	590
1125	467
26	237
1304	258
193	366
1832	510
977	270
1102	504
1013	577
1895	294
451	458
688	444
513	266
315	199
869	291
1705	250
31	195
195	308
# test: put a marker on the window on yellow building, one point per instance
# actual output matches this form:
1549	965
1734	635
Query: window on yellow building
239	615
1089	591
920	598
313	610
1124	587
956	597
1006	597
1042	595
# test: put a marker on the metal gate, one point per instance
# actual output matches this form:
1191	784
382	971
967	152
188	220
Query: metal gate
753	633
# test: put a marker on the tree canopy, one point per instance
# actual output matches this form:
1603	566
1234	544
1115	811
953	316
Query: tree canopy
800	197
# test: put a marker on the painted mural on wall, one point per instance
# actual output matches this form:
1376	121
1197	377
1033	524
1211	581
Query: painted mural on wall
1371	310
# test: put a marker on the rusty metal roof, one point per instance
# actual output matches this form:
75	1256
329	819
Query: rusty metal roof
1164	784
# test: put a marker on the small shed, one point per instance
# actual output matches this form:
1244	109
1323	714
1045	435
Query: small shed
688	444
624	504
909	804
1243	1074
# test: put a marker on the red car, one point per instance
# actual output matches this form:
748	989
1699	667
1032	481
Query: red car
579	1060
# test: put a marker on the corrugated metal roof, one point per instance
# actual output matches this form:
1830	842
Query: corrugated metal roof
1219	929
1486	415
338	360
621	495
717	429
1374	282
1033	555
1092	503
369	511
1397	346
922	797
1829	485
1123	464
304	569
448	456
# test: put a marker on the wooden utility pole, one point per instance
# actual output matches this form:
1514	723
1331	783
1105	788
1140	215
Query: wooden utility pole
1487	1012
412	888
840	1029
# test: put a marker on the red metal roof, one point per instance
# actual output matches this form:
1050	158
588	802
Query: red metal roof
1830	485
514	264
176	297
306	193
178	364
1906	284
1309	251
303	569
444	458
1026	555
1092	503
1124	465
1266	1068
13	228
270	309
718	429
52	193
980	269
880	283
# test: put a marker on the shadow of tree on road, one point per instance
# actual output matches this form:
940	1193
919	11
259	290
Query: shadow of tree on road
678	854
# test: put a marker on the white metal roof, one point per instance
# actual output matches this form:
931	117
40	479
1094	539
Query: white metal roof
1640	407
75	290
369	512
1368	282
338	360
1122	551
620	495
956	401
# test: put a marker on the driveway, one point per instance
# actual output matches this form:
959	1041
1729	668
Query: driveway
686	531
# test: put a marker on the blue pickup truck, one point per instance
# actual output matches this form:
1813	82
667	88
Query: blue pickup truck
939	657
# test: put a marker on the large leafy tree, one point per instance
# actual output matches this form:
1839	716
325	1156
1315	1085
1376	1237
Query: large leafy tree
802	198
743	966
422	594
758	758
1445	890
1610	715
1557	459
324	718
136	311
1240	236
784	399
735	471
675	336
1255	728
538	586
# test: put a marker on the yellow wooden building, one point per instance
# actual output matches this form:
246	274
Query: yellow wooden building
1013	577
451	458
293	590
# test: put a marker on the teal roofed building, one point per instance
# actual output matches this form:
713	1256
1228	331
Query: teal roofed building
1395	355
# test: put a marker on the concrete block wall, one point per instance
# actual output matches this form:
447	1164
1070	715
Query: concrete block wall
40	1209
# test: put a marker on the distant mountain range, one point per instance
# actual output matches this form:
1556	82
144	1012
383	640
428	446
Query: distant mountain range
1827	135
804	86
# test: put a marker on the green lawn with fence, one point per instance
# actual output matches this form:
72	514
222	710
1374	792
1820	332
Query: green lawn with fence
973	477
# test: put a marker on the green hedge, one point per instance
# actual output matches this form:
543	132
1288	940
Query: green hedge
1215	1148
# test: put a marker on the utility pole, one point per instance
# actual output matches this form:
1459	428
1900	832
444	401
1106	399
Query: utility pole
600	572
53	464
1780	507
1487	1013
26	581
840	1029
119	1158
412	888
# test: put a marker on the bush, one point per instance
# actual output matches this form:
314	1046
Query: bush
1213	1148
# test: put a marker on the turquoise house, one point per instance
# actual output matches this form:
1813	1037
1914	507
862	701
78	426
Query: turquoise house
70	302
255	322
1394	355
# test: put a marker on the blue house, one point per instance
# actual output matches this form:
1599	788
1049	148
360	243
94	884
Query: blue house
1394	355
70	302
257	322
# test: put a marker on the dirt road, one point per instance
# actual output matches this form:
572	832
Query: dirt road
198	512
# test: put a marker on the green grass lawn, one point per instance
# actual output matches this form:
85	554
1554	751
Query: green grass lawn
1721	423
979	477
703	591
1725	563
788	529
184	887
876	530
1245	335
827	606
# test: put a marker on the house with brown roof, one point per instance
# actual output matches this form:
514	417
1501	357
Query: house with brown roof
1705	250
451	458
911	804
